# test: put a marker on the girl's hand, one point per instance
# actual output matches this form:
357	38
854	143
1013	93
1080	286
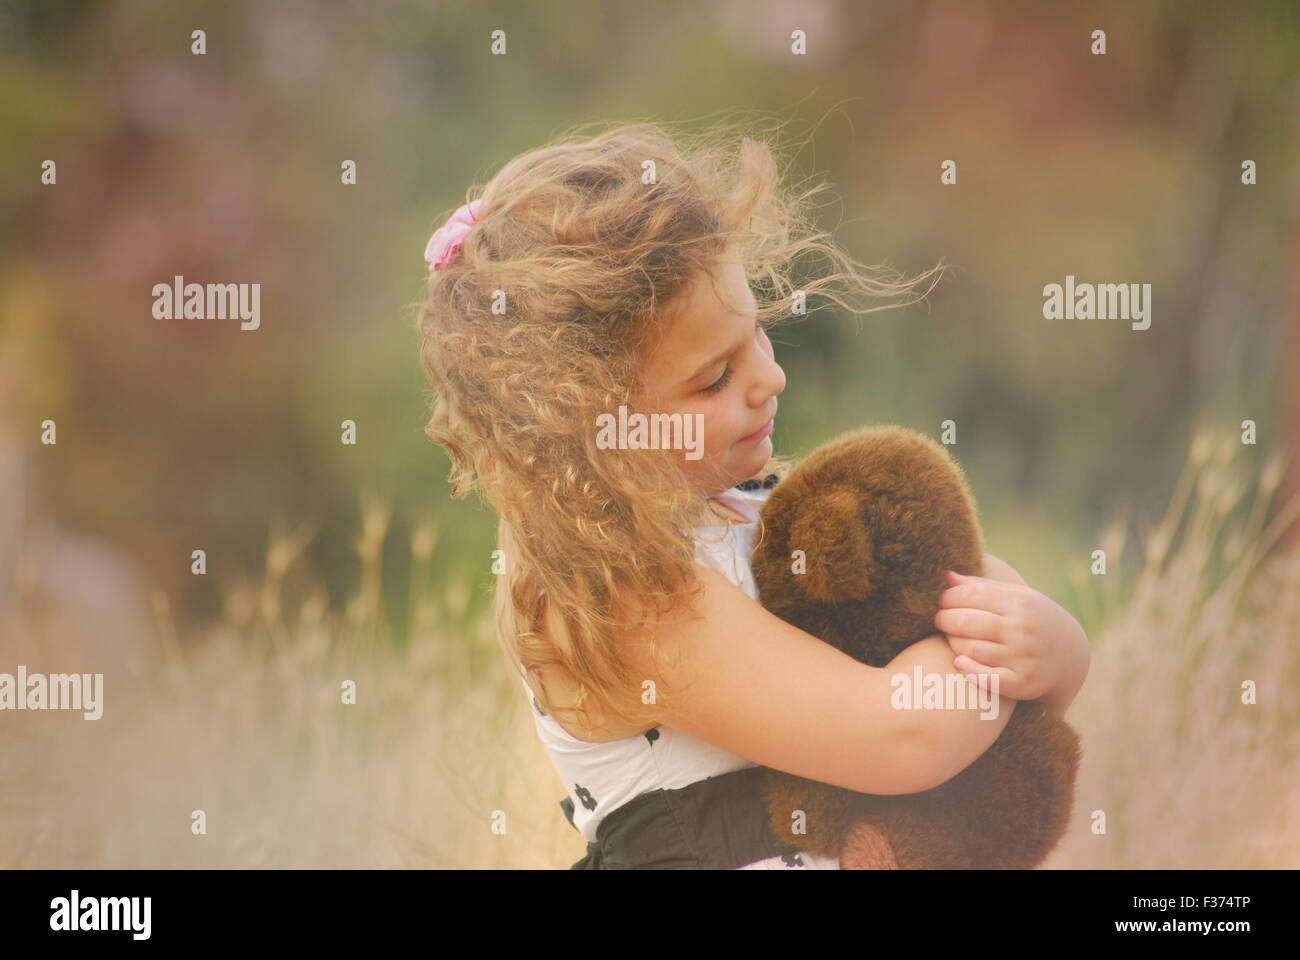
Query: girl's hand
1005	627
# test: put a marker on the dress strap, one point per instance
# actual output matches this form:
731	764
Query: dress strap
743	497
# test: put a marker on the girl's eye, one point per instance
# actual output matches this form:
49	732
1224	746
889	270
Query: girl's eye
726	371
722	381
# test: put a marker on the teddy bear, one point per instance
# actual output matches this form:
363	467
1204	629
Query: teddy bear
853	547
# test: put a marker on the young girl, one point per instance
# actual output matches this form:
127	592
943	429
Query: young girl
607	276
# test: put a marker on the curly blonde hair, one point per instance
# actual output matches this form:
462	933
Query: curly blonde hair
541	322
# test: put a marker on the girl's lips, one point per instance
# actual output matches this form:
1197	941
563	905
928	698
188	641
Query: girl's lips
759	434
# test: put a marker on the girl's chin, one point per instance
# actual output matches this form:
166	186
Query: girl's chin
762	449
759	453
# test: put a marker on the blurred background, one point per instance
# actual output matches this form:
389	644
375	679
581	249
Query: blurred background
329	561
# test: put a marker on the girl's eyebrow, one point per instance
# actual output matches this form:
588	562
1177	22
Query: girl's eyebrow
720	357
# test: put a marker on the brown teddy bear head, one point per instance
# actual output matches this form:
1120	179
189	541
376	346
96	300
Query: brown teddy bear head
854	543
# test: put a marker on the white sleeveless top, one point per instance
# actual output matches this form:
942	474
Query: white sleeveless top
601	777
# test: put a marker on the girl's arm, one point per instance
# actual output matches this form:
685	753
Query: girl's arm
752	684
953	738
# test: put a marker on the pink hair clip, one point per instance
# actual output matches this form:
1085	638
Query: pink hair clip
446	239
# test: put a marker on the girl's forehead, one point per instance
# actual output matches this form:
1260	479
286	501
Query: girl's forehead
703	308
693	326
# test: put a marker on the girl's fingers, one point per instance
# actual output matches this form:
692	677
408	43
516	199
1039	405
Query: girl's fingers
976	592
982	651
967	622
982	675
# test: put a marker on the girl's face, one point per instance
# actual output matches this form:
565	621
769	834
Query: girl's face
717	363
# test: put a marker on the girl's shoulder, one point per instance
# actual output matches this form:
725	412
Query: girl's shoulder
562	690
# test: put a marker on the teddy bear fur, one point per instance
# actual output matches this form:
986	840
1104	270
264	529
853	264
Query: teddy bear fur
881	513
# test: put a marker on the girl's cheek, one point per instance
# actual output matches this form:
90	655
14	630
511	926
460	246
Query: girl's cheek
715	429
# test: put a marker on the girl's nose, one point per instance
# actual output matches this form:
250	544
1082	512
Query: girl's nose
773	375
769	383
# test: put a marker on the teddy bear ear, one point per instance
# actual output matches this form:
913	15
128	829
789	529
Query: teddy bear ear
831	532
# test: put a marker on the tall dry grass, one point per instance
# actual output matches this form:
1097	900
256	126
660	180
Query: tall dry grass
244	720
1185	773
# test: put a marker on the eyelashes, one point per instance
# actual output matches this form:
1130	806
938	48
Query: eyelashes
726	373
722	381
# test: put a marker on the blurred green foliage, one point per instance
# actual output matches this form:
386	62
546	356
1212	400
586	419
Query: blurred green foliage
225	167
